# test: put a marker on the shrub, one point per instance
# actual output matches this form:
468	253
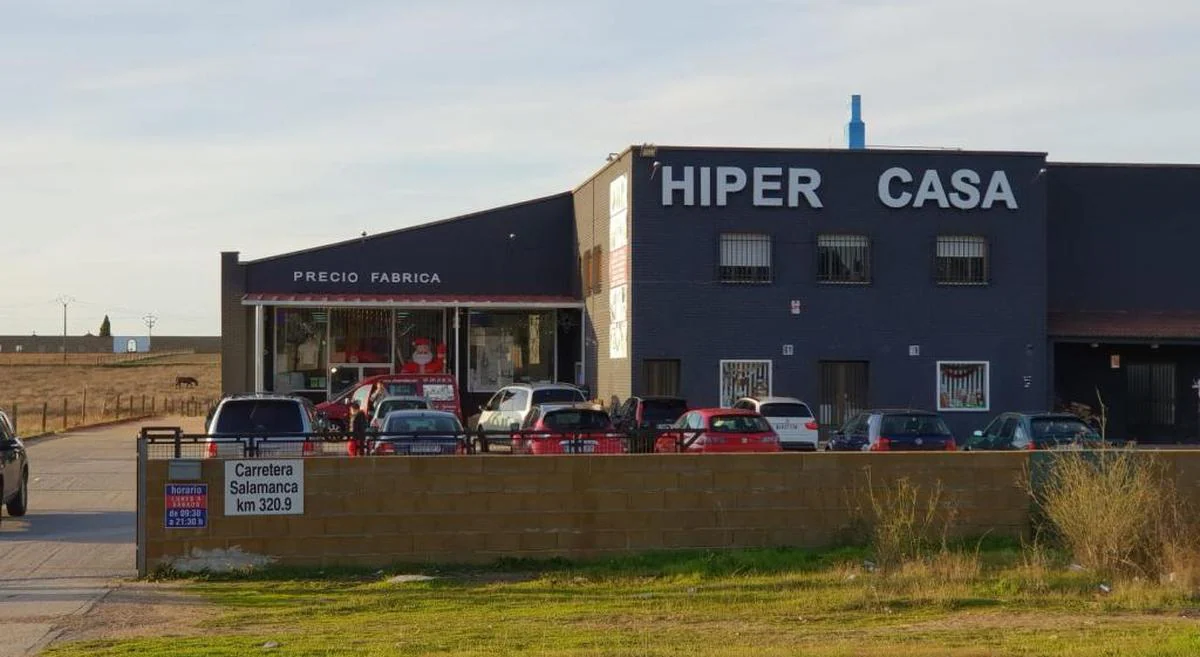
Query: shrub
1117	513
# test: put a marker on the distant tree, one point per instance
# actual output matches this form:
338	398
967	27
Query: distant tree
106	328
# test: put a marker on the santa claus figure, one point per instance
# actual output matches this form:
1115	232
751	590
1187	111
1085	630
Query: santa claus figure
423	361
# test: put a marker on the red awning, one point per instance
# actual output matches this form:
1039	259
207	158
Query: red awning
429	300
1181	325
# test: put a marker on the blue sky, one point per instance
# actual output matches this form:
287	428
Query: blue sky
139	138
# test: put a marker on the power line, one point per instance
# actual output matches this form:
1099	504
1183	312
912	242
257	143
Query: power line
150	319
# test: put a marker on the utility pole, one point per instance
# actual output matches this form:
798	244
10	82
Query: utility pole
150	319
65	301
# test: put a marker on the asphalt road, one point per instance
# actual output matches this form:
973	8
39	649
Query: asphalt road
78	539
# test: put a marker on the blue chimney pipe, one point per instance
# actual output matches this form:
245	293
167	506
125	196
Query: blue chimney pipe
856	130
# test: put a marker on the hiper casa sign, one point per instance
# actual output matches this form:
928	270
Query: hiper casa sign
793	187
261	487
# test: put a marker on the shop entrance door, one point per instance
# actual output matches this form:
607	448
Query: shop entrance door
843	393
344	375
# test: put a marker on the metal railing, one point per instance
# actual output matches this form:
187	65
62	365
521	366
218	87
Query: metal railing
161	442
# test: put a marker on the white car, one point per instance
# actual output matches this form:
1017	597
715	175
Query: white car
397	403
511	404
791	418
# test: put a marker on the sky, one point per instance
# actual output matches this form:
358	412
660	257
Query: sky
140	138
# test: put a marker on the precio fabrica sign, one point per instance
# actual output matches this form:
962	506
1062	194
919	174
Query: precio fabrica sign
264	487
897	187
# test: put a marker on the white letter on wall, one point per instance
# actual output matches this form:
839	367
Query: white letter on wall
931	190
806	182
999	190
966	189
686	185
729	179
885	187
761	184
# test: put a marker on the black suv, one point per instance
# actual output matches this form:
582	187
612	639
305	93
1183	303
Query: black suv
14	470
643	417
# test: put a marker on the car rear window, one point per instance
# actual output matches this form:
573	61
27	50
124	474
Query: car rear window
417	424
1045	427
576	420
390	405
913	425
551	395
739	424
785	409
259	416
662	411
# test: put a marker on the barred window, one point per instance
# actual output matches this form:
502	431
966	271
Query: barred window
745	258
962	260
843	259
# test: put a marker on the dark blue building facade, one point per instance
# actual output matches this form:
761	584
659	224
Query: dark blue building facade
970	283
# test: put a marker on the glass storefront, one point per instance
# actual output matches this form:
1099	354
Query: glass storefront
510	346
301	340
321	351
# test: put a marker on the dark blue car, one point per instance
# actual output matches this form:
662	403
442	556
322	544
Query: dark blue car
893	430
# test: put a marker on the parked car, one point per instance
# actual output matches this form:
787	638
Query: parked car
397	403
649	412
14	470
578	428
440	389
257	419
893	430
706	430
1033	431
419	432
791	418
510	405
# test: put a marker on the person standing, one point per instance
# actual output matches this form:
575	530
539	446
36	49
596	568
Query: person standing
358	430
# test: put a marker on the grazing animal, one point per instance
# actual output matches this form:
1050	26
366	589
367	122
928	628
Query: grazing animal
186	381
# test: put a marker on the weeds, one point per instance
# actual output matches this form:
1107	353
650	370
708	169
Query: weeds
1119	515
904	523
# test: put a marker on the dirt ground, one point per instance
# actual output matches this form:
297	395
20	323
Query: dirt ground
25	387
140	609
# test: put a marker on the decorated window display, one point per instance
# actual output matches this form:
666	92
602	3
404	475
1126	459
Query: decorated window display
963	386
744	378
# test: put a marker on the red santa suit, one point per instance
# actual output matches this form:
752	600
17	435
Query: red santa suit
423	361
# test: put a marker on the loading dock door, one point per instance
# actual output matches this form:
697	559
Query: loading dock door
843	393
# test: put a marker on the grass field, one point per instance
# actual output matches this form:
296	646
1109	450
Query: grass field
761	603
27	381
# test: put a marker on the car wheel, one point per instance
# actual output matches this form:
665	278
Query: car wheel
19	504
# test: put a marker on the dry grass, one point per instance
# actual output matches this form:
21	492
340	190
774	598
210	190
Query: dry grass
1118	513
26	386
904	522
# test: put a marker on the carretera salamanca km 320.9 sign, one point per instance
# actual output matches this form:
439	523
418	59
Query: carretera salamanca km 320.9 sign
264	487
897	187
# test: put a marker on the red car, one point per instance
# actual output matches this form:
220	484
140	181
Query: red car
440	389
711	430
568	429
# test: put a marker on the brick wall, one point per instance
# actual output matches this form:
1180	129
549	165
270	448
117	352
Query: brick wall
377	511
237	328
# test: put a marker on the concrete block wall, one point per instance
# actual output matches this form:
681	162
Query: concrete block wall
377	511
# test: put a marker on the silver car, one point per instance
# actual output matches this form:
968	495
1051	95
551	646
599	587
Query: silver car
262	424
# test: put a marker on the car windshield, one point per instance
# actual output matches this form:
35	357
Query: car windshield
662	411
1045	427
401	388
551	395
785	409
388	405
913	425
422	424
576	420
259	416
738	424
